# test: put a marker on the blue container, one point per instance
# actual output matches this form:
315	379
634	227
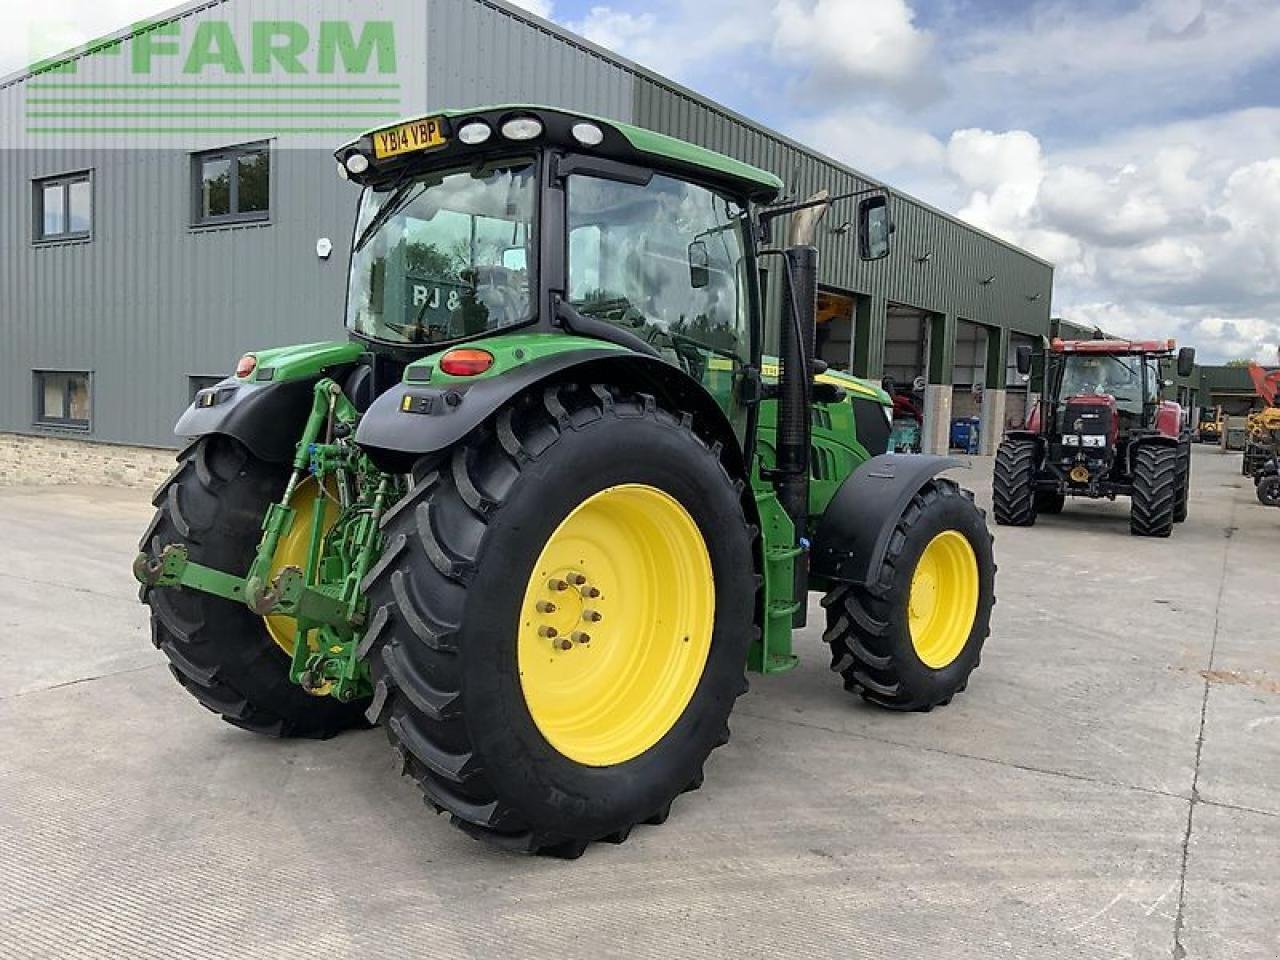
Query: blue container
964	434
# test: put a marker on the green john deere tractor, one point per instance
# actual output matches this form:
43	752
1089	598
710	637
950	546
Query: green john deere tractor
547	503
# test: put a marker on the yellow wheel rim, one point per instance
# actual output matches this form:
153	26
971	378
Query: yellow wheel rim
944	599
615	626
292	551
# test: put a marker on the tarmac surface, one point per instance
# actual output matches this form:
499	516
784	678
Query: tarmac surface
1108	786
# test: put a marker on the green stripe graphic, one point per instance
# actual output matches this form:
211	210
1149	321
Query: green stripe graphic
125	101
263	85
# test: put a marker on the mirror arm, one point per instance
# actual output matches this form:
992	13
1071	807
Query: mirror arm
768	214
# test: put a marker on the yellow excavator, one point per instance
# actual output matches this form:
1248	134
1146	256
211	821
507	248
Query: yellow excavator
1209	429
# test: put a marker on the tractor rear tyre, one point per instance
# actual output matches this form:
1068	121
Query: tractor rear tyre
1013	492
1182	500
219	651
1268	491
561	617
911	637
1156	480
1049	502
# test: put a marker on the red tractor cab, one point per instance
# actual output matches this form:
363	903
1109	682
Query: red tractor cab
1102	428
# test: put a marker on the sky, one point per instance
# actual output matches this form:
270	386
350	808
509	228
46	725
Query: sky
1133	143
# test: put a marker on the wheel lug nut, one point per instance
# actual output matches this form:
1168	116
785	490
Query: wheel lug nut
592	616
591	592
557	585
546	606
564	644
549	632
580	637
576	578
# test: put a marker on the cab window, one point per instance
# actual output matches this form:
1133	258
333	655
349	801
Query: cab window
665	261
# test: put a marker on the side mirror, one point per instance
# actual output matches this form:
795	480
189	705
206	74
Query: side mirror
874	228
1022	359
1186	361
515	259
699	265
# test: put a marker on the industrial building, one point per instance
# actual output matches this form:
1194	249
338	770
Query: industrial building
171	201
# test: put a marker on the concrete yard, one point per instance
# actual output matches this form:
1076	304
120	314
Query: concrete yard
1108	786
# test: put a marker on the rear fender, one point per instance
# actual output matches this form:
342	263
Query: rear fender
853	533
267	409
412	420
267	418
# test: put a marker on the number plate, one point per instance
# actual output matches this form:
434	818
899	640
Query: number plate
409	138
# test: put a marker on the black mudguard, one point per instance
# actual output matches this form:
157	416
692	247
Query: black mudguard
266	417
410	420
853	533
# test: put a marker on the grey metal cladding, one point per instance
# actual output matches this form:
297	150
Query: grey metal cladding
481	53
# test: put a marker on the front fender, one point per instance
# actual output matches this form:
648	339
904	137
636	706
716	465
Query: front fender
853	532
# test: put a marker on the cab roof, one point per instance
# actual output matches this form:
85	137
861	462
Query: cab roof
623	141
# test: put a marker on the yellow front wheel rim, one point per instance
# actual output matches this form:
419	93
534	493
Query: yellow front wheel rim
615	625
944	599
292	550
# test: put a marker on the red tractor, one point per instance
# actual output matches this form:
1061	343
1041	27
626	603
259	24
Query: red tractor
1101	429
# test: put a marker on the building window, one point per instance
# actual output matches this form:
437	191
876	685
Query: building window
196	384
63	399
64	207
232	185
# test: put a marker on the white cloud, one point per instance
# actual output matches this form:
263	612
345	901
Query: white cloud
1003	171
29	32
855	42
873	146
1084	58
683	37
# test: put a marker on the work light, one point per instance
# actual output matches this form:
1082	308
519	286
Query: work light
522	128
588	134
475	132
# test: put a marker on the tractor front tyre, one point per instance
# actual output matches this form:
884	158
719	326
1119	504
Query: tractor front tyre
911	637
223	654
1156	480
561	617
1268	491
1182	499
1013	492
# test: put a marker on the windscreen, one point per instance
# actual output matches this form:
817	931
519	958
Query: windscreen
1118	377
444	256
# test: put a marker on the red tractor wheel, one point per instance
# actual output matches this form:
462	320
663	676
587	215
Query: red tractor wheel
1156	480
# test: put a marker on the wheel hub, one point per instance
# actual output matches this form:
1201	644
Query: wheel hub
943	600
615	626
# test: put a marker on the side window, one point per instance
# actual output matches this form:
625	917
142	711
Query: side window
665	261
63	399
231	185
63	208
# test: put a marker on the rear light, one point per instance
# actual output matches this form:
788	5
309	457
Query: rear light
466	362
248	363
